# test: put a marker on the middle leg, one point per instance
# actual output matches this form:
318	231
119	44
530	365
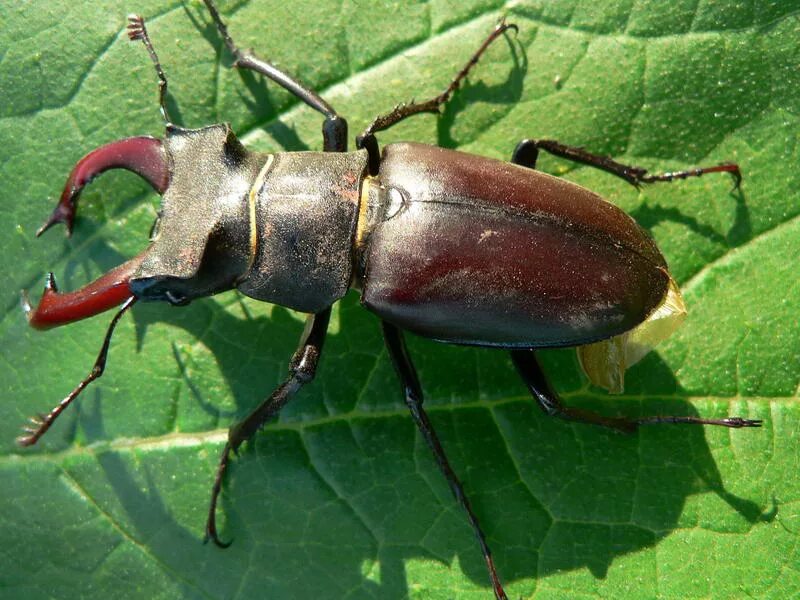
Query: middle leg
527	152
412	390
383	122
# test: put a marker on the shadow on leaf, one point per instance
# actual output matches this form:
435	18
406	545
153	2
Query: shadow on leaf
342	494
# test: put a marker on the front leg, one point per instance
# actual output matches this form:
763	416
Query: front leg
302	369
334	128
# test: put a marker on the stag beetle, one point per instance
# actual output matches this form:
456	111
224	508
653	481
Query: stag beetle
447	245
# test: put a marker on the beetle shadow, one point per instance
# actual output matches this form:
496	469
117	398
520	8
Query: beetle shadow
582	495
345	467
541	487
126	487
740	231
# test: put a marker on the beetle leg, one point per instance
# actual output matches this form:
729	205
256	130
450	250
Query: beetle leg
143	155
41	423
334	128
414	398
527	152
137	31
302	369
402	111
528	367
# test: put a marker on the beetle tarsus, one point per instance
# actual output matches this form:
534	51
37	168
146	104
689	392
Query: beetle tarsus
531	372
138	32
738	422
731	168
211	522
41	422
398	353
731	422
212	535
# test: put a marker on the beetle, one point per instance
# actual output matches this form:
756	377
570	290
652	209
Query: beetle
446	245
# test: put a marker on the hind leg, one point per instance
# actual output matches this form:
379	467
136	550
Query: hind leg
527	152
531	372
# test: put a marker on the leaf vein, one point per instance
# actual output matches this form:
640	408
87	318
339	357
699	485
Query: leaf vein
143	548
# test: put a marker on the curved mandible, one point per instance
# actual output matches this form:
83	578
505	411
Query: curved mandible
107	291
143	155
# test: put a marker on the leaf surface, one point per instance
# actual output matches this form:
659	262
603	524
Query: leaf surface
340	498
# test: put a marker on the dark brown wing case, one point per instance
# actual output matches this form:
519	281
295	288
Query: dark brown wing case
478	251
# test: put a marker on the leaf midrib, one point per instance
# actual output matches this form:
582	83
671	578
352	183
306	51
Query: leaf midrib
219	435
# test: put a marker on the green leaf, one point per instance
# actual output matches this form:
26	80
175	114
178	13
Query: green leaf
340	498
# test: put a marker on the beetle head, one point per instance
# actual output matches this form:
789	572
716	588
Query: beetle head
201	240
201	243
184	262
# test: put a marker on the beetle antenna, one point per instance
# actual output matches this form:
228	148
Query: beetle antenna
41	423
137	31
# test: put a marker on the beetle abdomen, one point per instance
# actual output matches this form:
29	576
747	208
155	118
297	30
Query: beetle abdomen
477	251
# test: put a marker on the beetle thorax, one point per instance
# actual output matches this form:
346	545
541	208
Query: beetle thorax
305	206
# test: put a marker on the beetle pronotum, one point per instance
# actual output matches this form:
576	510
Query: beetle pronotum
447	245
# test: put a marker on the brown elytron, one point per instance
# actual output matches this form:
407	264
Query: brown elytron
479	251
